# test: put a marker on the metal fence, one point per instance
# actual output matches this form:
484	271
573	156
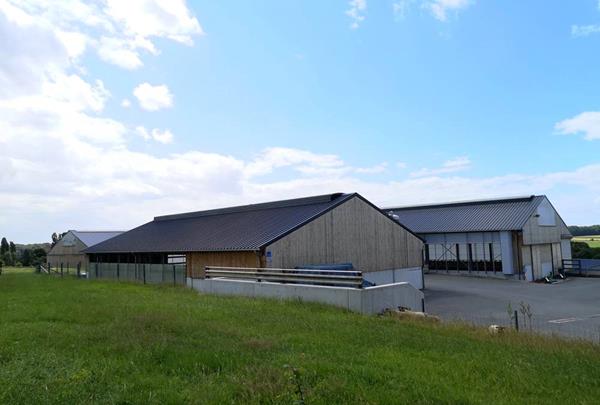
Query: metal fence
581	267
338	278
144	273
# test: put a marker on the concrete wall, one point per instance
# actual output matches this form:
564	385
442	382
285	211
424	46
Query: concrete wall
370	300
412	275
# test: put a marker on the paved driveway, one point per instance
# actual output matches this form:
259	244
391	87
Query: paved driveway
571	307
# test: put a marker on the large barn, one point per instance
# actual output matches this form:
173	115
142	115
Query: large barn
521	237
327	229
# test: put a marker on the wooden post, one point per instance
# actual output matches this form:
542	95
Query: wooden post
516	320
61	269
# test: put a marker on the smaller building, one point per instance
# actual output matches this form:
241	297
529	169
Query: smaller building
521	237
67	254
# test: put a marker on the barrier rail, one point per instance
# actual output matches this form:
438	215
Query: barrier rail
571	265
345	278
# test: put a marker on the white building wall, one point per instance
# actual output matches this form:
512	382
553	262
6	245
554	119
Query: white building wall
507	253
565	248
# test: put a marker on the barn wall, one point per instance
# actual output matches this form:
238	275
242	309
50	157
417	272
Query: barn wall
546	259
536	232
68	252
352	232
197	261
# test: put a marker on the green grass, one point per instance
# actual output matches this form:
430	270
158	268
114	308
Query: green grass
75	341
592	241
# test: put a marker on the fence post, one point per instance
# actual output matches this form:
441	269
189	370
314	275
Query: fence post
423	305
144	271
61	269
118	272
516	320
78	269
174	276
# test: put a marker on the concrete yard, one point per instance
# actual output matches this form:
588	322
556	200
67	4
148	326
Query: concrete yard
570	308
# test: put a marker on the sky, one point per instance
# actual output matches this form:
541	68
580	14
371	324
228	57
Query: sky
114	112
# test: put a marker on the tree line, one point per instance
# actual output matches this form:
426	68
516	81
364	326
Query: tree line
14	255
584	230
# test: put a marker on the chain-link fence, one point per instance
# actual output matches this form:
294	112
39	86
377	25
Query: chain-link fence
526	322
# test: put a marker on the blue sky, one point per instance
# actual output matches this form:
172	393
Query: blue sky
407	102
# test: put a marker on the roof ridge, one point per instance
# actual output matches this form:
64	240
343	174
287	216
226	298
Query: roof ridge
463	203
75	230
294	202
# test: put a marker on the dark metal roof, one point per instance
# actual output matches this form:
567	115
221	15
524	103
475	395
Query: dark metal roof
506	214
244	228
91	238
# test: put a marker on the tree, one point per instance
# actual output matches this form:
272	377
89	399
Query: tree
26	258
12	248
37	257
4	247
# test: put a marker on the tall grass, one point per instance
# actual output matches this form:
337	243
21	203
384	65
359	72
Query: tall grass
71	341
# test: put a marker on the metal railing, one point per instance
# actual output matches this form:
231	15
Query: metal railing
343	278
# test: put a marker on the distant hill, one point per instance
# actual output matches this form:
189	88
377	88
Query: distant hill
584	230
45	246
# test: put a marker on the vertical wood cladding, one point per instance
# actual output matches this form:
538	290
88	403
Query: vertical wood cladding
197	261
353	232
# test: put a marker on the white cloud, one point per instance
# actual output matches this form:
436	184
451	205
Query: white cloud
401	7
586	123
119	52
356	12
584	30
155	18
440	8
450	166
165	136
125	103
119	30
153	98
377	169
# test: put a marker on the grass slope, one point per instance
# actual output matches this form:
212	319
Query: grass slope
75	341
592	241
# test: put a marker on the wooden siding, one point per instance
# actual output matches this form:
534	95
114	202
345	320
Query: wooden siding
197	261
534	233
68	251
549	254
352	232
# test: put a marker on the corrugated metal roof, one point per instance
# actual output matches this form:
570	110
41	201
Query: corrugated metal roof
472	216
91	238
244	228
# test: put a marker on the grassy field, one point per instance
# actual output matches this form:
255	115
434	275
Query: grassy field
76	341
592	241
